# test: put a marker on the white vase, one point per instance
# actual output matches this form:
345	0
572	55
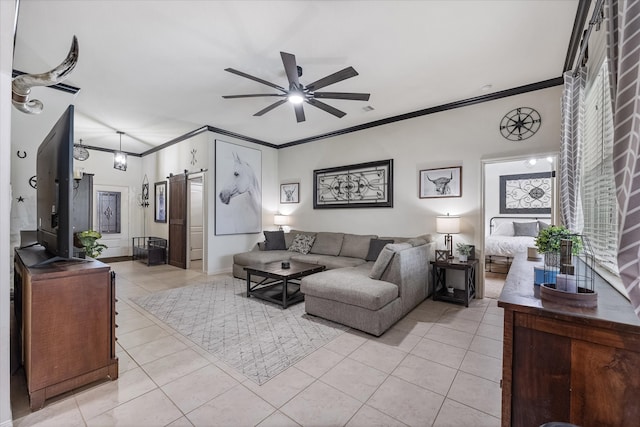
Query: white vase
463	258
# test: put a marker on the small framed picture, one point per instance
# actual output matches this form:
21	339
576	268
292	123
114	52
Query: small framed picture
443	182
290	193
442	256
161	201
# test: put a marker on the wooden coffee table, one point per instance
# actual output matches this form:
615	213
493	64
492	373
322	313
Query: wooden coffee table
280	285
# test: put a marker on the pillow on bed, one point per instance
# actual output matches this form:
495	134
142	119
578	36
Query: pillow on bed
542	225
525	229
503	229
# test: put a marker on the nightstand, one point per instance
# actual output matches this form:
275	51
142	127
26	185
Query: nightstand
440	285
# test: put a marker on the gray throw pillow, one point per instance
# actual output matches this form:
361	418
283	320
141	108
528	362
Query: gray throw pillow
302	243
274	241
381	263
525	229
542	225
375	247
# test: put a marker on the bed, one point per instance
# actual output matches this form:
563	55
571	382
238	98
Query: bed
509	236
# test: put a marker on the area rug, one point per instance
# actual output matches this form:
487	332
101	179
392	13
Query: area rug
255	337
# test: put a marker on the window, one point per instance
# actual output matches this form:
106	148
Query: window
109	212
598	190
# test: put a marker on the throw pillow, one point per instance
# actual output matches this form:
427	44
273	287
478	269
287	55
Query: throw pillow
542	225
525	229
375	247
302	243
503	229
274	241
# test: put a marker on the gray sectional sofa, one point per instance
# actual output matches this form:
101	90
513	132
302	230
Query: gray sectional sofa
357	290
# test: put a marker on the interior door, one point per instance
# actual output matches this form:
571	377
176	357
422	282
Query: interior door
196	222
178	221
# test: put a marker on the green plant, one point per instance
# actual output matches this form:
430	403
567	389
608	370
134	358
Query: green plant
463	249
548	239
89	241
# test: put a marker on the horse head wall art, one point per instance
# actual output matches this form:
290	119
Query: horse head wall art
238	188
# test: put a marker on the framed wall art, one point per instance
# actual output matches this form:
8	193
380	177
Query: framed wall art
363	185
290	193
526	193
238	189
161	201
443	182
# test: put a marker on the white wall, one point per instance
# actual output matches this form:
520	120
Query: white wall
462	137
7	10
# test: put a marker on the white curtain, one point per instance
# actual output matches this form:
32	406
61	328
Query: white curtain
571	134
625	57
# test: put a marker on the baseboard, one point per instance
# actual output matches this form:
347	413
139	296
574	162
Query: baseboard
8	423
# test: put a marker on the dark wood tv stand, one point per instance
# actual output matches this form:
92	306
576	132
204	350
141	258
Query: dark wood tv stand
66	315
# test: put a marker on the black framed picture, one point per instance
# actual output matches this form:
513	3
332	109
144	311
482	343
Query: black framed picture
442	182
290	193
161	201
363	185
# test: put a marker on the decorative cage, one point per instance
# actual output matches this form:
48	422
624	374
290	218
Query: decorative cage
569	273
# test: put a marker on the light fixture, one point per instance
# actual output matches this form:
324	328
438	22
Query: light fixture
448	225
280	220
532	162
120	158
295	98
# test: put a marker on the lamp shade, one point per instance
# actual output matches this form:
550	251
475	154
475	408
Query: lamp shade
448	224
280	220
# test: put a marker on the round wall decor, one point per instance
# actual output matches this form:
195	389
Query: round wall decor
520	123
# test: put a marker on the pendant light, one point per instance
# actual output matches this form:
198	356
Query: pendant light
119	157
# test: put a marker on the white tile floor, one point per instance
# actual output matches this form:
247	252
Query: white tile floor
439	366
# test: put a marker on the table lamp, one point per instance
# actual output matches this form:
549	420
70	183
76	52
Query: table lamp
280	220
448	225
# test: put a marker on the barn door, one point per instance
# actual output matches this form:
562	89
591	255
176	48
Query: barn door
178	221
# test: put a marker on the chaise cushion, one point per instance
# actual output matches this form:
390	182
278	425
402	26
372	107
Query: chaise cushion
260	257
327	243
274	241
355	245
350	286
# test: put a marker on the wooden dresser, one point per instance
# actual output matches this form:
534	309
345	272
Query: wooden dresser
580	366
66	313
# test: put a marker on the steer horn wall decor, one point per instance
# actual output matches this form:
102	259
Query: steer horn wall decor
21	85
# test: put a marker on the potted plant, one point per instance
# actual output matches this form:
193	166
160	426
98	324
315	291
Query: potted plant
548	243
89	241
464	251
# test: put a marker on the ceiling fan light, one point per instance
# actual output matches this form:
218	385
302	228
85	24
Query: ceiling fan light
295	98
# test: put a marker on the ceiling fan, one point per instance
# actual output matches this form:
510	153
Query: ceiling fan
299	93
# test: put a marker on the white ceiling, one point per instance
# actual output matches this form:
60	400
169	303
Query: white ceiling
155	69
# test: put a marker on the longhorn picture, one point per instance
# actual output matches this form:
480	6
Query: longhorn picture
444	182
21	85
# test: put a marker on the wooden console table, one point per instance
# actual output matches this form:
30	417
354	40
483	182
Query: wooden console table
575	365
66	315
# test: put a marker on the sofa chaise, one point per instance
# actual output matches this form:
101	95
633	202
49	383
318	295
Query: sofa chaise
370	283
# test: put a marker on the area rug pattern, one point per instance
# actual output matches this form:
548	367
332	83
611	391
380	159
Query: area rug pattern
255	337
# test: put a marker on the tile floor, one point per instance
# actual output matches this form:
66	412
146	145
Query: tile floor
439	366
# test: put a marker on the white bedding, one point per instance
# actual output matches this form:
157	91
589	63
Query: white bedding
507	245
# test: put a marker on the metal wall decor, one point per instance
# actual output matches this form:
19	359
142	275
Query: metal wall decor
520	124
21	156
443	182
80	152
526	193
363	185
290	193
33	182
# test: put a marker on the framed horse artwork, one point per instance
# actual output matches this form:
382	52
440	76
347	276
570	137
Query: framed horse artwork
238	189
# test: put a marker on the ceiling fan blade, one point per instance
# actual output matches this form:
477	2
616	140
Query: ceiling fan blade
253	95
299	112
326	107
255	79
270	107
336	77
342	95
291	68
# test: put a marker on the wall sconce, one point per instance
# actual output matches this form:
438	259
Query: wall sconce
448	225
120	158
280	220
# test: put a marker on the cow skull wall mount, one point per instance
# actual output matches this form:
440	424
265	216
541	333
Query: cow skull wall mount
21	85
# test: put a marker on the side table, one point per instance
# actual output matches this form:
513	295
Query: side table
440	289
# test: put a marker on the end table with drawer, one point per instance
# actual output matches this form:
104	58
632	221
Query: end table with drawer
441	287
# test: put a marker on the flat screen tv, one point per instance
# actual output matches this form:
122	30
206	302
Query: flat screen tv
54	178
